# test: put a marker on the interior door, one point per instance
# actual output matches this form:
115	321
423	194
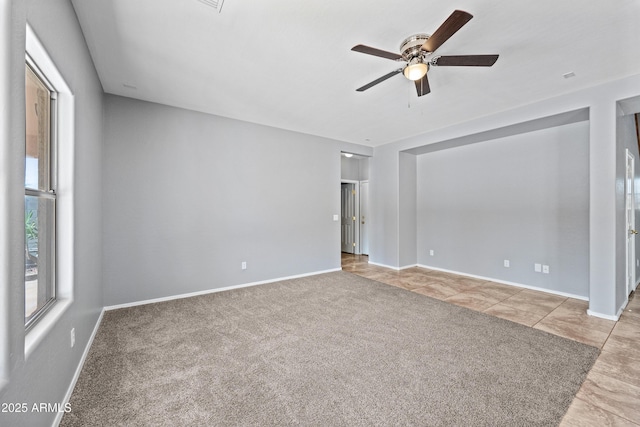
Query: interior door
630	215
364	217
348	217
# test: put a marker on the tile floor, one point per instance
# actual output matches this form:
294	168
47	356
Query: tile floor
610	396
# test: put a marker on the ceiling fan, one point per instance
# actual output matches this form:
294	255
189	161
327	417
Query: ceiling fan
418	50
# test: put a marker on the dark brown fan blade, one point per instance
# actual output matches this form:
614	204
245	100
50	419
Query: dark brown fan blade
376	52
454	22
379	80
466	60
422	86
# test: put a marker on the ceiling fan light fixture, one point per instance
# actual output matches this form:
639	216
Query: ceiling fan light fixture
416	69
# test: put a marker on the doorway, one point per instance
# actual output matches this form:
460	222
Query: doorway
630	216
354	217
348	217
354	204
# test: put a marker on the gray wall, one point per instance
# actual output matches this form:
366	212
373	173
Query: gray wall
601	103
383	207
523	198
349	168
364	168
354	169
189	196
407	210
46	375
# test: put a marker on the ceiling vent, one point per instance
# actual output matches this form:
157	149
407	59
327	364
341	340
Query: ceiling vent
216	4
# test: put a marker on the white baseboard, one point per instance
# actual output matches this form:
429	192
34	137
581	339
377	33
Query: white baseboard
505	282
76	375
210	291
606	316
382	265
404	267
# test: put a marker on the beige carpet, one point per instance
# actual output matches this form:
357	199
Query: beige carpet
333	349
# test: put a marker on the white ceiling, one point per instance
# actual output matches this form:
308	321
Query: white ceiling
288	63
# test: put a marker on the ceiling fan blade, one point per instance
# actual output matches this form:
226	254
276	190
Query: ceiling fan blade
379	80
376	52
422	86
454	22
466	60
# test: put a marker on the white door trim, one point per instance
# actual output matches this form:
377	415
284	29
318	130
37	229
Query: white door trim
630	221
364	233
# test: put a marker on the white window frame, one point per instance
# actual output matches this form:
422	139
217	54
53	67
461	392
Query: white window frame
64	128
5	208
50	191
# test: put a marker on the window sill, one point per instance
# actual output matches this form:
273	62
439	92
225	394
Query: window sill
44	325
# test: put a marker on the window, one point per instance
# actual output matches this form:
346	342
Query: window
40	194
49	194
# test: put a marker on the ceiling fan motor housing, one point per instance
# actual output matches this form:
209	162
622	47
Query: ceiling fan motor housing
411	47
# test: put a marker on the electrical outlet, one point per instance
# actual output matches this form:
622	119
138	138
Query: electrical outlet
432	252
507	263
244	265
638	263
73	337
545	269
537	268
